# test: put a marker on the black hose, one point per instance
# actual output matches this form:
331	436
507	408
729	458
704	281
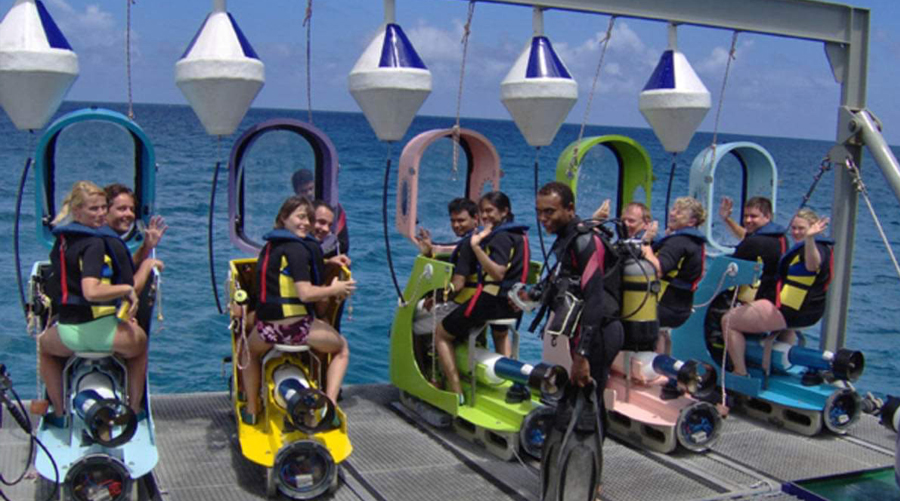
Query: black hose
212	262
669	189
16	237
537	216
384	218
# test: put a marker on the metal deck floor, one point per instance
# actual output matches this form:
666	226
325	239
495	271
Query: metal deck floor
397	457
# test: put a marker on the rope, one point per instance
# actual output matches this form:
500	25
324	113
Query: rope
669	189
722	92
587	110
725	343
307	22
861	188
128	55
209	235
384	217
467	30
537	216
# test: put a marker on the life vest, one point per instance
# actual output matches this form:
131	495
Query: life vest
470	285
276	285
677	277
516	264
748	293
795	282
72	239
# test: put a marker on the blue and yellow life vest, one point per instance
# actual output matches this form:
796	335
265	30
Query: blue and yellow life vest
276	285
795	282
70	293
470	284
676	276
516	264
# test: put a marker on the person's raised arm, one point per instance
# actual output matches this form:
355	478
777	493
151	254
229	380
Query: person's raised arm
152	235
602	212
725	209
812	258
495	270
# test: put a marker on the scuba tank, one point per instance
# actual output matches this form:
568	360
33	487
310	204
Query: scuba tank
572	457
639	299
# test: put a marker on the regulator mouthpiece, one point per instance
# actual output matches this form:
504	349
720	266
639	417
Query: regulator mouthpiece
109	421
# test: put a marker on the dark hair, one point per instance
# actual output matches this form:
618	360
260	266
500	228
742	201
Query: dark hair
762	204
301	177
114	190
321	203
499	200
559	189
289	206
460	204
645	211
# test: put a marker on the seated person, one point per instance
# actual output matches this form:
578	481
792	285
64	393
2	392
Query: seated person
764	242
635	217
463	221
120	218
323	218
803	275
304	183
501	251
92	284
678	258
289	267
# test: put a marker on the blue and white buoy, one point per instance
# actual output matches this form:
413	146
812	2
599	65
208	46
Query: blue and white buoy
37	65
674	101
220	74
539	91
389	81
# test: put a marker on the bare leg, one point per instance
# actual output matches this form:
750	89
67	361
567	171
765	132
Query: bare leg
664	342
502	343
443	343
53	356
323	338
251	373
756	317
131	343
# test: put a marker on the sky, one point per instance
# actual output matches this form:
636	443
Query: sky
775	86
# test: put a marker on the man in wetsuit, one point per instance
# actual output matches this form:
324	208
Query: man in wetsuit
583	257
463	220
304	183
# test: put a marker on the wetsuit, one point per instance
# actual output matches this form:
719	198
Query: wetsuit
585	258
465	264
506	245
284	260
681	256
801	293
767	244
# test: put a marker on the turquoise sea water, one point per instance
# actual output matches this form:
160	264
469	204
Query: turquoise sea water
188	346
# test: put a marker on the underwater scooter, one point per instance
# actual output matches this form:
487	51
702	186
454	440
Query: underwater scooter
799	388
503	410
102	448
295	438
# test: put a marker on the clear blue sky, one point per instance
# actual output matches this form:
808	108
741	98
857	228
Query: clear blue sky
776	87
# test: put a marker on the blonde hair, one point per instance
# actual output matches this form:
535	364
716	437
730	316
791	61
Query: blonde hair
808	214
693	206
77	196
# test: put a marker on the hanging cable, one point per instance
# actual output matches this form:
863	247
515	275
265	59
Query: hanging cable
209	234
669	188
731	57
307	22
467	30
861	188
384	218
128	54
19	281
537	215
570	172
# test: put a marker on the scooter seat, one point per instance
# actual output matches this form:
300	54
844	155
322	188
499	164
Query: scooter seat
292	348
93	355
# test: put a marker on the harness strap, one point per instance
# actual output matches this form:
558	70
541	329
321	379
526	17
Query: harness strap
778	285
265	266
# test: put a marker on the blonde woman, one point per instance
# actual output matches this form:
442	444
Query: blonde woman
90	285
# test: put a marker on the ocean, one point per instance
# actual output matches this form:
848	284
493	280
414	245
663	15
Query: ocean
188	345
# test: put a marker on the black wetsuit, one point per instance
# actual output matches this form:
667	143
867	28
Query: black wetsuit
768	244
600	335
79	252
283	261
681	257
801	293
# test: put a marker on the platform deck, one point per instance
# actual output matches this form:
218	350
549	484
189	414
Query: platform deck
398	457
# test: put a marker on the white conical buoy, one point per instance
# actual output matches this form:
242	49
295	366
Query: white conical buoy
219	73
674	101
538	91
37	65
389	81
